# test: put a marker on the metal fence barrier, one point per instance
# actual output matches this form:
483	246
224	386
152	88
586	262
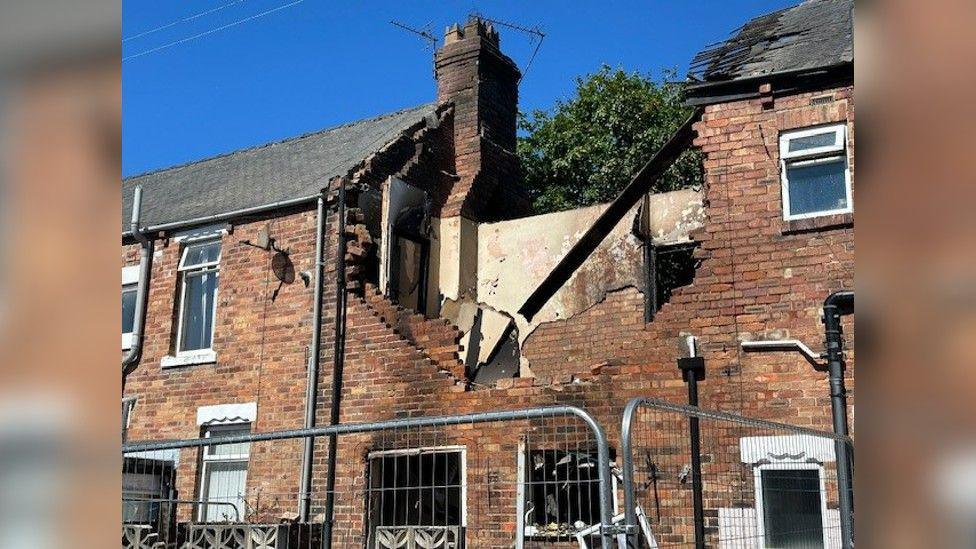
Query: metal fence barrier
538	477
751	483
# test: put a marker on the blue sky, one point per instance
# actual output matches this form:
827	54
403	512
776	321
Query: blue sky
320	63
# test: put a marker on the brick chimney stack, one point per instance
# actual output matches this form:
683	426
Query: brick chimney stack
482	83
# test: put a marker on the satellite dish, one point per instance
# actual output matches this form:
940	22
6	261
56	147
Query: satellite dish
283	268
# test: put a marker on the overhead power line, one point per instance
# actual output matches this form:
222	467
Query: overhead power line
183	20
212	31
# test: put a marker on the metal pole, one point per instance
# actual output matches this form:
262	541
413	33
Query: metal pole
338	357
131	358
627	449
836	305
311	389
693	370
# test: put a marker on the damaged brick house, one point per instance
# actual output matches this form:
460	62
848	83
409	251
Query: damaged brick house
450	297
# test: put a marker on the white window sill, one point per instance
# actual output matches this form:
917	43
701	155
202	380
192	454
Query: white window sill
126	341
207	356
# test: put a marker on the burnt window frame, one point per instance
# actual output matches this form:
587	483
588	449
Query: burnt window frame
531	530
370	521
652	273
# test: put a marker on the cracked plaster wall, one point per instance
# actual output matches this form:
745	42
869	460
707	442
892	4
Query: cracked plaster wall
493	267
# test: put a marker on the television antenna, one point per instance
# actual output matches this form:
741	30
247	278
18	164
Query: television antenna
424	33
535	34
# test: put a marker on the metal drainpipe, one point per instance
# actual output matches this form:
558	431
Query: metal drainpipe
837	305
311	391
145	261
338	356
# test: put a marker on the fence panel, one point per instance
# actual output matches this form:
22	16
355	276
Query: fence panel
762	484
530	478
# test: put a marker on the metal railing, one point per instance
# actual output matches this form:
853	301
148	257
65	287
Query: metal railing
536	477
753	483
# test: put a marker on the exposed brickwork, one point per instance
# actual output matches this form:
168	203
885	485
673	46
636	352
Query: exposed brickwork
436	338
260	345
606	332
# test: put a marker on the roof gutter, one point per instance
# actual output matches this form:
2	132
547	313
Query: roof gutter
145	259
637	188
222	216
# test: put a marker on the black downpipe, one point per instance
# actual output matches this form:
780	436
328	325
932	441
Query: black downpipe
837	305
338	355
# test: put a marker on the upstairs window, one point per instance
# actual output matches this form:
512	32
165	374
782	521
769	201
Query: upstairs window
815	174
199	273
130	281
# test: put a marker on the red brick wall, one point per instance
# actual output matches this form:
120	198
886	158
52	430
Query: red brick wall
760	278
260	344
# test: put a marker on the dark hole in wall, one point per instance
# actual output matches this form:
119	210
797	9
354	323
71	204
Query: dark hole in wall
563	493
675	267
371	203
503	363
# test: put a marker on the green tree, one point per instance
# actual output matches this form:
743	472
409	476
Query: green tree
585	150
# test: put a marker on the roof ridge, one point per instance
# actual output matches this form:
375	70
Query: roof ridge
280	141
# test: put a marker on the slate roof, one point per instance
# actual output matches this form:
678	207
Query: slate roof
814	34
291	169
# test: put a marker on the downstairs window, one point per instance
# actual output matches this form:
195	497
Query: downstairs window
416	494
562	493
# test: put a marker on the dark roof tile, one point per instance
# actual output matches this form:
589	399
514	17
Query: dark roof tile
291	169
814	34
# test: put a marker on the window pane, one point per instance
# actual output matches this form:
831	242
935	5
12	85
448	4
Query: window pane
205	252
224	482
815	141
229	449
198	310
792	509
817	187
128	309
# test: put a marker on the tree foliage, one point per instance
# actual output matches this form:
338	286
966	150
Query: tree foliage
586	149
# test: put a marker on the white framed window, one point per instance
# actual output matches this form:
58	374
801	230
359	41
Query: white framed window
815	175
791	507
790	492
223	475
417	491
130	283
199	272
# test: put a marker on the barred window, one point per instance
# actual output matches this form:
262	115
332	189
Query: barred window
416	494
